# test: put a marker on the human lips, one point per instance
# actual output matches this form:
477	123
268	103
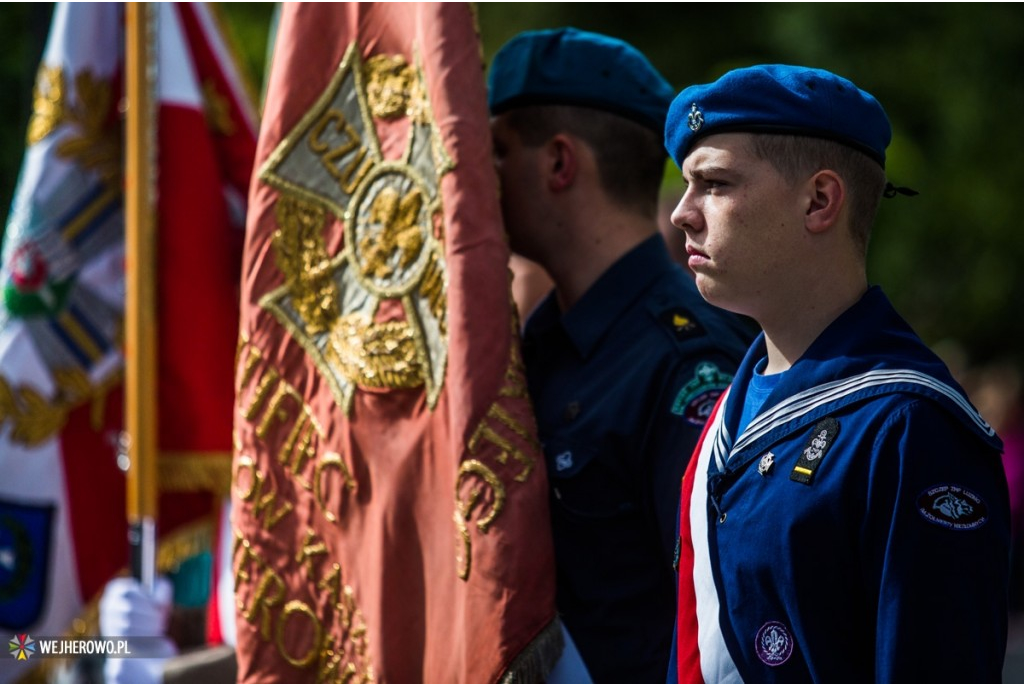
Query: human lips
695	257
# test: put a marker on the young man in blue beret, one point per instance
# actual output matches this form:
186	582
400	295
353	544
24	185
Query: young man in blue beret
845	517
623	358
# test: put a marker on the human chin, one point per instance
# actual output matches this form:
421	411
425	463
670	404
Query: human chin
716	292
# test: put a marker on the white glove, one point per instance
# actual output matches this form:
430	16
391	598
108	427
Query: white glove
127	610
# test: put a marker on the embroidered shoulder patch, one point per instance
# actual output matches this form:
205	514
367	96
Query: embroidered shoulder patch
682	323
697	398
822	437
953	507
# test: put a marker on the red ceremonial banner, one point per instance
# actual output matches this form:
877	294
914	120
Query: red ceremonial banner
390	505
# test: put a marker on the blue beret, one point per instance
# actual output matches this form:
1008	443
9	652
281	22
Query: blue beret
572	67
776	98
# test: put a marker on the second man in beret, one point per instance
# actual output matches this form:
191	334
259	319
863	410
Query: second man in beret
624	359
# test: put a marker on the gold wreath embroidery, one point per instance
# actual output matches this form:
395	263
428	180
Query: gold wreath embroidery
302	256
90	141
47	103
34	419
393	89
376	355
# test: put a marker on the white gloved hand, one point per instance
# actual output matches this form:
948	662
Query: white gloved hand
127	610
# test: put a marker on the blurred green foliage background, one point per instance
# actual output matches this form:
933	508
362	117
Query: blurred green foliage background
950	75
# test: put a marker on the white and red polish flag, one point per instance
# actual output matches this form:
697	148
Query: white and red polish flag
62	495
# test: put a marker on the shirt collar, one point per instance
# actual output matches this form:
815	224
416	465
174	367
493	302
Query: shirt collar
607	299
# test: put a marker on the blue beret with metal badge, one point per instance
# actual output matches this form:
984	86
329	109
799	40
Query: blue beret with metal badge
568	66
778	98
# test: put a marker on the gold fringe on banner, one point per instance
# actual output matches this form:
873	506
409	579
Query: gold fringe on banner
194	471
534	663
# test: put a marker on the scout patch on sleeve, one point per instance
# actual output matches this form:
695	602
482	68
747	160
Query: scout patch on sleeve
774	643
697	398
953	507
822	437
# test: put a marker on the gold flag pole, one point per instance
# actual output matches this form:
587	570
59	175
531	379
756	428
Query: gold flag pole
140	441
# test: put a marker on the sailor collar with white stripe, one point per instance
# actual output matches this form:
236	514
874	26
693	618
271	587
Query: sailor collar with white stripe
844	364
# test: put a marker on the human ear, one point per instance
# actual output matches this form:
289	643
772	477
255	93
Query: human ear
562	162
827	196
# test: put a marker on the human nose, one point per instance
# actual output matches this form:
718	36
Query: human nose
685	216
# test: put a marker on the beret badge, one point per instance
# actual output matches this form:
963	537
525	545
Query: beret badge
696	118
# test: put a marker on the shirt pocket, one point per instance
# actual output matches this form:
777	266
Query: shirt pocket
589	481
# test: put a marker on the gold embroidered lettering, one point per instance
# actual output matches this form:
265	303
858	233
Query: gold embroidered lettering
251	360
331	584
299	448
347	606
245	464
241	544
269	593
260	395
515	380
269	407
501	415
331	115
309	549
269	588
348	673
259	493
299	609
349	619
332	461
275	410
485	432
351	174
463	509
329	668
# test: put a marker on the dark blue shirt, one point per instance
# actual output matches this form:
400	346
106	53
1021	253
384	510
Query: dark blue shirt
622	384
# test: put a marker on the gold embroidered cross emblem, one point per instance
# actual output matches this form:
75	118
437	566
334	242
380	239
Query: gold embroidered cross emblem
332	163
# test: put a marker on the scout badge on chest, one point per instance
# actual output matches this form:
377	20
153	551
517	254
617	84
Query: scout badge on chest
822	437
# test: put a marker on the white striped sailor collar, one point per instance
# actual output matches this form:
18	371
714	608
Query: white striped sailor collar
841	367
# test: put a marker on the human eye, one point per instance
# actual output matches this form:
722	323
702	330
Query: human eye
708	181
710	185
